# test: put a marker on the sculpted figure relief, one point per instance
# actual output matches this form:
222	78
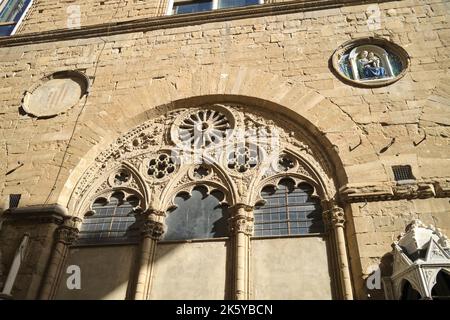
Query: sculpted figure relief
370	65
370	62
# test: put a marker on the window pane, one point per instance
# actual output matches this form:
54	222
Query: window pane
192	6
13	10
200	216
111	221
289	210
236	3
6	30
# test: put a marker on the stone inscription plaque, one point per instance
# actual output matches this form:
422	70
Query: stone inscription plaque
54	96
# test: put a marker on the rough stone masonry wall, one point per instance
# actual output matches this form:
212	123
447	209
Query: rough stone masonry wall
283	59
50	14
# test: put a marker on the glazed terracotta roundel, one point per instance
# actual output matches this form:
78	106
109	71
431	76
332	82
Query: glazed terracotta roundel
370	62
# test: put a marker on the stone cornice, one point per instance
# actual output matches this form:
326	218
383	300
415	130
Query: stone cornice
166	22
37	214
387	192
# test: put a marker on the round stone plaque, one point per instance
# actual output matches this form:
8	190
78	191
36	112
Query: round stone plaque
55	94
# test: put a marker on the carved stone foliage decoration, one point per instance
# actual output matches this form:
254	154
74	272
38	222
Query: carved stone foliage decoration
66	235
229	147
241	224
152	229
55	94
335	217
370	62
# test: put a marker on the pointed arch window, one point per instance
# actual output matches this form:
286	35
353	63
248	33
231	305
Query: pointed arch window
288	209
409	293
441	290
110	220
198	215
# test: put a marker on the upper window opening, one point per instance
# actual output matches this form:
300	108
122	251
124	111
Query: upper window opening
236	3
110	220
289	209
192	6
402	173
180	7
12	13
199	215
14	200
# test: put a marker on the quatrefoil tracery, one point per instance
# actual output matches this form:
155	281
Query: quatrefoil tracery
161	166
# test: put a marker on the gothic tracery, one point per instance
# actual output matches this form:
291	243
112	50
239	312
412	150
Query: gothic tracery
228	147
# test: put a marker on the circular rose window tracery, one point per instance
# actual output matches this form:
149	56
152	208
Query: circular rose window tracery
202	127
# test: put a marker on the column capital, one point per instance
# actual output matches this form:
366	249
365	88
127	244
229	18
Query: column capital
151	223
242	220
152	229
335	217
151	214
66	234
239	224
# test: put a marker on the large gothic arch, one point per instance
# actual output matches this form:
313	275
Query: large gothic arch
147	162
327	123
156	137
154	162
315	135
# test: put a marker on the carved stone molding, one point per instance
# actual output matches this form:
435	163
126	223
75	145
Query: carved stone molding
442	188
176	21
54	214
416	190
391	191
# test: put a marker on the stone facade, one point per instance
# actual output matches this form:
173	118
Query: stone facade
276	58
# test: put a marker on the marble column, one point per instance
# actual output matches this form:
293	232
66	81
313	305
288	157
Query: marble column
241	226
65	235
152	230
336	219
